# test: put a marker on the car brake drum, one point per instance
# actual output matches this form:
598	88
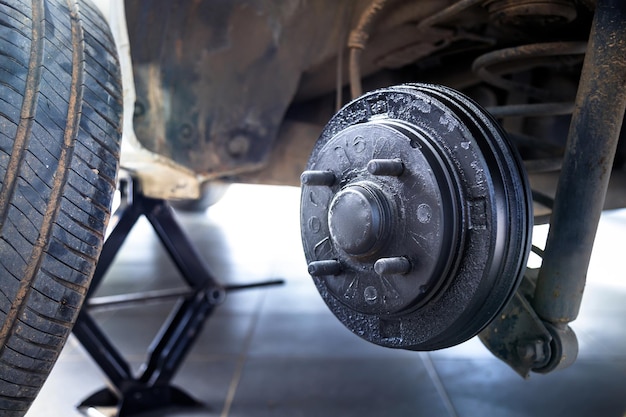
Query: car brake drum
416	217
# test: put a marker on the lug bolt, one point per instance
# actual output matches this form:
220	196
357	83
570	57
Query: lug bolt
321	268
325	178
386	167
392	266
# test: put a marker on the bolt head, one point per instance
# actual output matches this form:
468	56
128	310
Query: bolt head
238	146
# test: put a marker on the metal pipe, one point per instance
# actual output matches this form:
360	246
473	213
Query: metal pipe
357	41
587	164
531	110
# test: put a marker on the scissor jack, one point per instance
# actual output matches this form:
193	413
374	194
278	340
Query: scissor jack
133	394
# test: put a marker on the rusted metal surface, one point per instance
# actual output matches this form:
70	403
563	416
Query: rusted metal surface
214	79
288	157
518	336
219	83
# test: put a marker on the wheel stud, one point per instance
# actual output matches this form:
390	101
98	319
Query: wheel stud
392	266
386	167
321	268
321	178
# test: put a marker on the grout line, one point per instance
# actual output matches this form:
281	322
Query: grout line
241	361
434	377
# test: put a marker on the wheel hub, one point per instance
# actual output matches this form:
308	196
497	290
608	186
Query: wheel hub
415	217
382	191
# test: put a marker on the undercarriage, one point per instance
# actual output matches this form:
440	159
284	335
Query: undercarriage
418	200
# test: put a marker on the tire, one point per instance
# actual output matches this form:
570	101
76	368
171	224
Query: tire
60	125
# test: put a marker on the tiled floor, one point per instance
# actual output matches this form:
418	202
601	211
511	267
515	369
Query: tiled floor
280	352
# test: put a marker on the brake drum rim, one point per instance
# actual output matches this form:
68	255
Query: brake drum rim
497	156
496	152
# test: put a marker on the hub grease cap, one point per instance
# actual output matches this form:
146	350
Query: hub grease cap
359	220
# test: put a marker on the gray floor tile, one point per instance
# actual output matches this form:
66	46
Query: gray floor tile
472	349
294	298
310	335
487	387
336	387
207	381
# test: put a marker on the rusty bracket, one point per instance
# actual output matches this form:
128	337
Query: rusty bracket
526	343
518	337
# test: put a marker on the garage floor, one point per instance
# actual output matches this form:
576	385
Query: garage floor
279	352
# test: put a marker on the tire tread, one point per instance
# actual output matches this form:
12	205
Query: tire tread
60	112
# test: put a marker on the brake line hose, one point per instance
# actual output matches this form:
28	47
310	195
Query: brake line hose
357	41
